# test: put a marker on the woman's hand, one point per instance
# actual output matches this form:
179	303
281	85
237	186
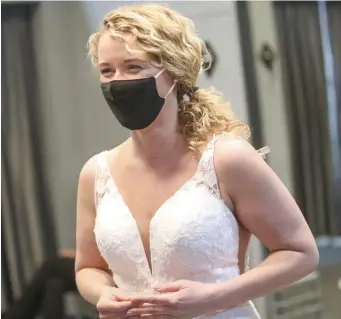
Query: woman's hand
182	299
113	304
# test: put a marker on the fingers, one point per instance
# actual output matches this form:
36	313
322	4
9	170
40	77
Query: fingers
122	298
148	310
122	306
171	287
164	299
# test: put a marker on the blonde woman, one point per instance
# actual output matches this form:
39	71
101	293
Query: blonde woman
165	218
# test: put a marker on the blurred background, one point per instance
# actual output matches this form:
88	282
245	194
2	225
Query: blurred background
278	63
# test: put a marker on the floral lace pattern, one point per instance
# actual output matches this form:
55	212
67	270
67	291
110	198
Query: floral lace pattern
193	235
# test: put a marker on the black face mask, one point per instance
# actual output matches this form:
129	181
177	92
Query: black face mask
135	103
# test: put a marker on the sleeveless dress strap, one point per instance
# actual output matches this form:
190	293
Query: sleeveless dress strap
208	172
101	177
206	164
262	151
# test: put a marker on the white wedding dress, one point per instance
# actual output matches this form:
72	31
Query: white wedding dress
193	235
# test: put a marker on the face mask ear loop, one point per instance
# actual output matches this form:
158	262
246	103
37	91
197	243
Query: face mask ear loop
159	73
171	89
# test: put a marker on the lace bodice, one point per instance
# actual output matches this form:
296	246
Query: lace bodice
193	235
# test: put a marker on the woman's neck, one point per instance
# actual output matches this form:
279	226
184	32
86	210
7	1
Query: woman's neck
159	147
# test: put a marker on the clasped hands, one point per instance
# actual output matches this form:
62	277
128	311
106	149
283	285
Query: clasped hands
182	299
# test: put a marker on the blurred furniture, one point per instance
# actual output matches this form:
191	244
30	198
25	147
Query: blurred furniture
302	300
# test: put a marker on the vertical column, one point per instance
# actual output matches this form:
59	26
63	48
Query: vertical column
271	109
270	91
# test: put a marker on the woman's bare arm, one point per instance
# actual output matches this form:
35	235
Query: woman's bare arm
92	273
264	206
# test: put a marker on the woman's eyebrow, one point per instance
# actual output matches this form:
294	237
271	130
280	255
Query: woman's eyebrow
134	60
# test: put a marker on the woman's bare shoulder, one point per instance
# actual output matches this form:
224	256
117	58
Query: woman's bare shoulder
238	162
88	172
232	152
230	147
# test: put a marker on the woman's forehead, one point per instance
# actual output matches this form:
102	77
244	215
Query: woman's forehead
110	48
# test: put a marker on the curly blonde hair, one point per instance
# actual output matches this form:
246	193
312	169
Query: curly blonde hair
169	38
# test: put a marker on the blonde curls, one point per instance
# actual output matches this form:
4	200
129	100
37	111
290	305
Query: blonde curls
206	113
169	38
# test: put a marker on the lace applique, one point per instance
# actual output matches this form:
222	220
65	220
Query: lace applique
207	167
264	151
102	179
193	235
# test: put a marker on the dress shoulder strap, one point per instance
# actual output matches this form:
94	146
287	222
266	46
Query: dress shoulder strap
207	167
231	136
101	177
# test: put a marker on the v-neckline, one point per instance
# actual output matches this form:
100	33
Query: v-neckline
149	266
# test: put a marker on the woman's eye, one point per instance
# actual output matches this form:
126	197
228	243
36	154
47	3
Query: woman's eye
134	67
106	71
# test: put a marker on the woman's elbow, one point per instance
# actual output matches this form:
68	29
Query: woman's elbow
311	259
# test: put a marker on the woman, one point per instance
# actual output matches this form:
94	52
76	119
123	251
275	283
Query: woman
176	203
